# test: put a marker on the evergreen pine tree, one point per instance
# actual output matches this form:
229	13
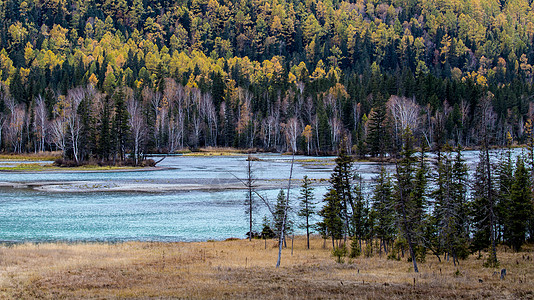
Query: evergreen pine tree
504	180
360	219
341	180
383	208
377	136
104	141
449	218
482	217
460	177
409	196
281	211
332	223
307	207
120	123
520	207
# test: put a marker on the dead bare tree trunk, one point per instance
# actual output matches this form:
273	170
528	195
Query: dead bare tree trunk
250	199
280	241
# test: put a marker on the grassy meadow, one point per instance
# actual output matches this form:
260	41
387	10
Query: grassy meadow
241	269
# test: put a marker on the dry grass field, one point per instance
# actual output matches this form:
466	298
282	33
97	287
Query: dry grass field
241	269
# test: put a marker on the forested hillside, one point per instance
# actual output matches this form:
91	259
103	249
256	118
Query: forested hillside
100	79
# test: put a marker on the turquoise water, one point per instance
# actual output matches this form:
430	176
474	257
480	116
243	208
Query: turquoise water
189	216
216	213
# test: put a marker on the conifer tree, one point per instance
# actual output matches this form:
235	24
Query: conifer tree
307	207
341	181
409	195
460	181
383	208
120	123
104	141
332	223
520	207
484	190
377	137
449	216
281	212
479	208
504	174
87	131
360	219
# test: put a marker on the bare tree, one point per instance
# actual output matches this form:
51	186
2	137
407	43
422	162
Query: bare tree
58	128
284	219
176	96
336	129
210	115
176	129
74	98
291	130
249	202
41	122
16	121
137	126
196	122
59	125
405	114
154	103
464	112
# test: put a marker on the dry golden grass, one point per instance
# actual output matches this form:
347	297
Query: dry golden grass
242	269
48	155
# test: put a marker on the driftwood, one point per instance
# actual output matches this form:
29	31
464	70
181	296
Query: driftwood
160	160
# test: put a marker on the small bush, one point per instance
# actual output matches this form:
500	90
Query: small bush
355	249
339	253
393	256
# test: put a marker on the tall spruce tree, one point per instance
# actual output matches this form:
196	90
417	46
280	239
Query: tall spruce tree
120	123
341	181
449	217
384	209
409	195
281	212
520	206
460	181
307	207
377	136
504	174
105	140
484	183
331	224
359	219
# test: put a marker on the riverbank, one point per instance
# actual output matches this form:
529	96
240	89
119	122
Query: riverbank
152	186
49	167
242	269
32	156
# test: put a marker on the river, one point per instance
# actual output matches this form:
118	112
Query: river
191	198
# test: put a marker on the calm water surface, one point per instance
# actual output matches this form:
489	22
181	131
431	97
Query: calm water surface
213	213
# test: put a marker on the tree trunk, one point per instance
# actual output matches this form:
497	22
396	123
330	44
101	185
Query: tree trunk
285	213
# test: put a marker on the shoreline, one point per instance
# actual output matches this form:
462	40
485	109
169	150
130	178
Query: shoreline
136	187
67	170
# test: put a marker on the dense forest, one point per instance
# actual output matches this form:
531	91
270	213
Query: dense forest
107	79
423	206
